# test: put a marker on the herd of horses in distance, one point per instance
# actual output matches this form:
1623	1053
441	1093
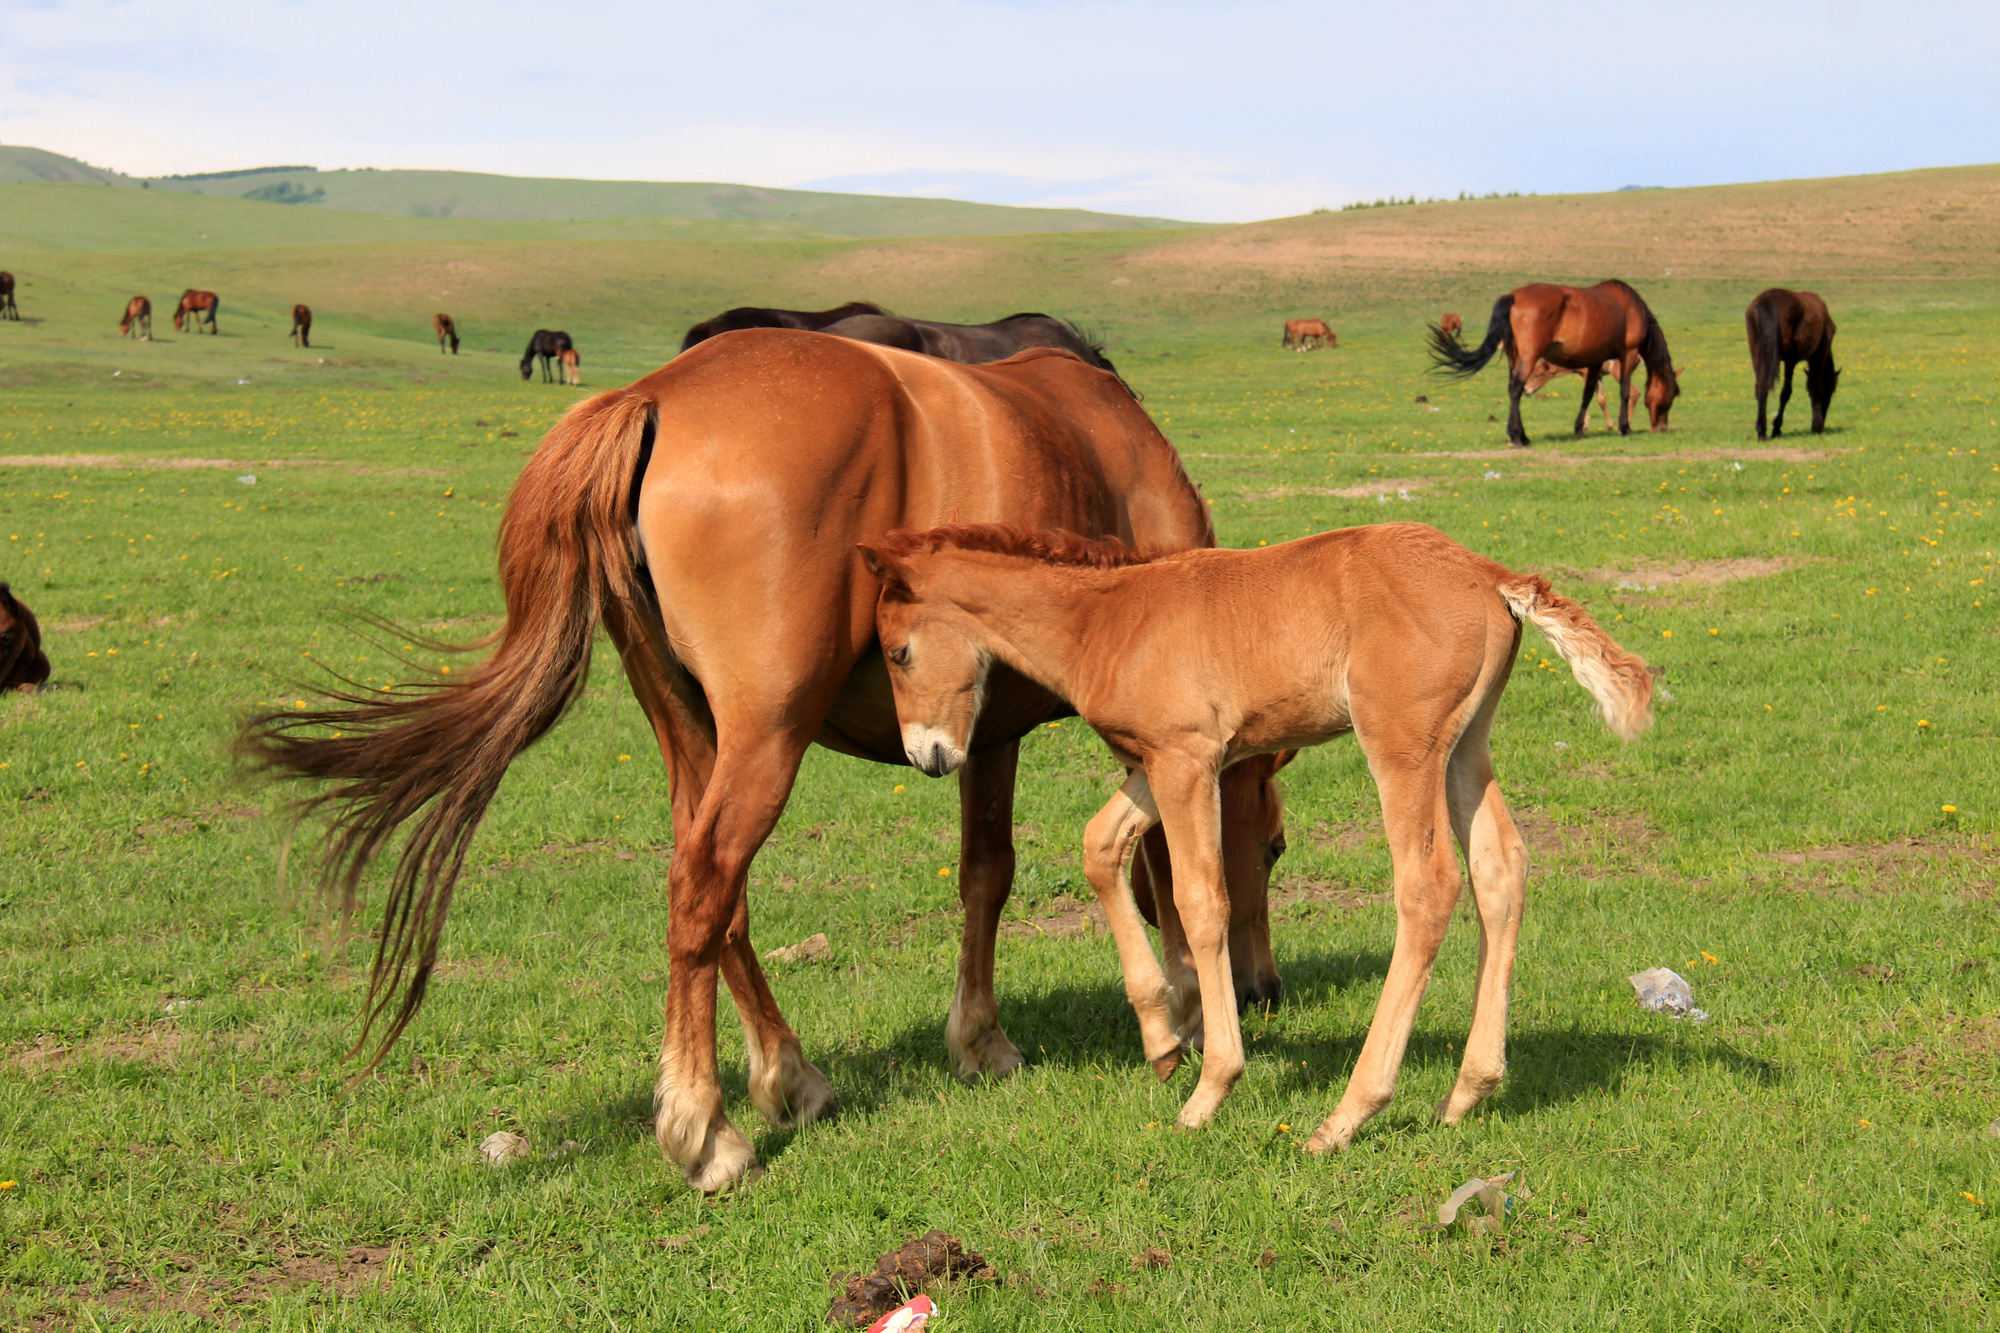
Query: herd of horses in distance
922	542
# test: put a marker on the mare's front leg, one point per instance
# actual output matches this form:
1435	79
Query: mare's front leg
985	877
1418	824
1108	844
1591	378
1185	793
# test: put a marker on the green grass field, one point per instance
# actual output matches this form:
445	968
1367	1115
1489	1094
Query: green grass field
1808	834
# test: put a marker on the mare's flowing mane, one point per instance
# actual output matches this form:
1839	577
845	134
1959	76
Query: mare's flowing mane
1049	545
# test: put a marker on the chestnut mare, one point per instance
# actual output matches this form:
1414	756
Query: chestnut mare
707	518
302	325
8	310
1788	327
446	331
197	304
762	317
1303	334
1185	663
138	321
1578	328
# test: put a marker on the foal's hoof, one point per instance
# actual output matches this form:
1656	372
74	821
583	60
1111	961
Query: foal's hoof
1164	1067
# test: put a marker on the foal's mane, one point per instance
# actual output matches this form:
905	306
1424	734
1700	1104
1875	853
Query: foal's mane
1051	546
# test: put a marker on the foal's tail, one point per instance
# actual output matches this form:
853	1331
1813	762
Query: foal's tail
1450	354
435	752
1620	681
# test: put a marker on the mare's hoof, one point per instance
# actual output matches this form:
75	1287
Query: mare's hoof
1164	1067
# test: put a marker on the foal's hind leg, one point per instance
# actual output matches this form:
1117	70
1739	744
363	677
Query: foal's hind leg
985	877
1499	866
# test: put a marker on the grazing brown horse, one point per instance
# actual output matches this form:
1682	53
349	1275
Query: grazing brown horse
446	332
1187	662
1579	328
1788	327
302	325
707	517
1302	334
974	344
138	321
762	317
572	365
23	666
549	345
8	310
197	304
1452	324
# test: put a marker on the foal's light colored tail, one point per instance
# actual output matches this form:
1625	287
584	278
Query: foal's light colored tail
1618	680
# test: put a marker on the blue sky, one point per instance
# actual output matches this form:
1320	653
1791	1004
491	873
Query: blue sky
1206	111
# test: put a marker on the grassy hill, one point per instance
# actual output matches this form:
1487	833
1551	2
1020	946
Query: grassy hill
19	165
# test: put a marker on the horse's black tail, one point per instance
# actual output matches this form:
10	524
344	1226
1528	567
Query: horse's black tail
1450	354
1766	354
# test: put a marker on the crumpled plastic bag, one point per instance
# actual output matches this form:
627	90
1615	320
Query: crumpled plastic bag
1666	991
1495	1203
500	1148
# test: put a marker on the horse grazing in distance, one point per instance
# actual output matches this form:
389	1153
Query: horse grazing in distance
138	321
197	304
1393	632
1452	324
1302	334
8	310
975	344
302	325
446	332
1788	327
23	665
707	519
572	365
761	317
1577	328
549	346
1544	373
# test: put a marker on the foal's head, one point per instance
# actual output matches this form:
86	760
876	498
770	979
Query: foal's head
938	662
1662	387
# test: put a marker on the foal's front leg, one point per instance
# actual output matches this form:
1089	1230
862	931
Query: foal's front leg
1108	842
1186	793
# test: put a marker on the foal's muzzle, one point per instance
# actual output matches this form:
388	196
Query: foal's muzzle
931	753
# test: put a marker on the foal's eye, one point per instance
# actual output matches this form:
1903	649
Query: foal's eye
900	656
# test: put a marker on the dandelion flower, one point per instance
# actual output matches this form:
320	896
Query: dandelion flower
1666	634
1949	809
944	872
899	789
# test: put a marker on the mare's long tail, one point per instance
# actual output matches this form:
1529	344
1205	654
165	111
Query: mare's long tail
1766	347
1618	680
1450	354
435	752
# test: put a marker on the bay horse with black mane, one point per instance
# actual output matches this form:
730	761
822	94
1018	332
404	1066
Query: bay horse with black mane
446	332
707	517
762	317
1190	661
975	344
1788	327
302	325
1578	328
549	345
8	310
138	321
197	304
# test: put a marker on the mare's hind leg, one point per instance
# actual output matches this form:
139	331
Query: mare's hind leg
1418	824
784	1086
1517	383
1590	382
1784	396
985	877
1499	866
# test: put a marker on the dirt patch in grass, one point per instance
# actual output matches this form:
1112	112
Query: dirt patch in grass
475	969
1612	839
161	1045
1365	491
1897	866
221	1300
1709	573
170	825
1961	1054
1067	918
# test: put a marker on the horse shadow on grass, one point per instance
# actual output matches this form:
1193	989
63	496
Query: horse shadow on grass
1091	1028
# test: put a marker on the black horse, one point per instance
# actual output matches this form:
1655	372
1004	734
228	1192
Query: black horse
758	317
975	344
1788	327
8	310
549	345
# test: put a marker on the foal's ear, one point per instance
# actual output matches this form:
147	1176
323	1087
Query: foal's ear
887	568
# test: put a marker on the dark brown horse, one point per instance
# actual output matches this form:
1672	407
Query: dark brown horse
302	325
1788	327
1578	328
138	321
197	304
446	332
707	518
8	310
975	344
549	345
761	317
23	666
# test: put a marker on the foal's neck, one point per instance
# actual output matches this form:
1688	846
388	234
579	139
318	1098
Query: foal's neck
1039	617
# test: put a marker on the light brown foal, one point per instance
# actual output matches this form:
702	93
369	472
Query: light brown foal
1186	663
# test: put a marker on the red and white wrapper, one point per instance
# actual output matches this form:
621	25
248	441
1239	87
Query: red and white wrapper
908	1317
